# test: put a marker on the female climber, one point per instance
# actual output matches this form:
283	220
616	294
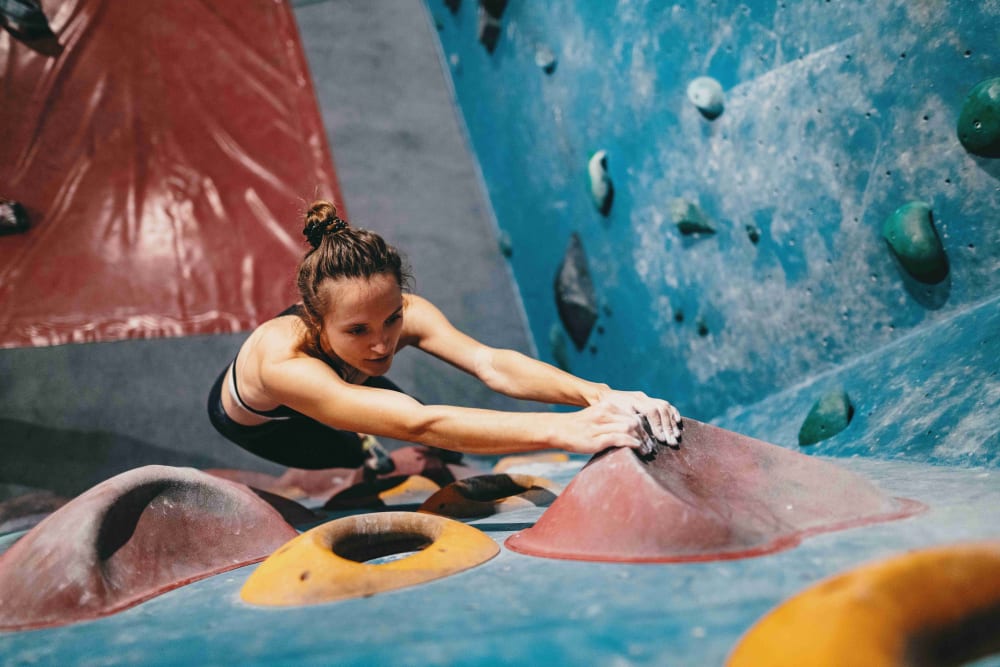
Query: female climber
305	384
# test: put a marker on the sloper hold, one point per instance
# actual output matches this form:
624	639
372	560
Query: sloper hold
911	236
979	122
705	93
937	606
829	415
130	538
328	562
720	495
575	297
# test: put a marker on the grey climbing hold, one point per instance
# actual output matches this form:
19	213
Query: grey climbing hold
689	218
601	188
575	298
911	236
706	94
13	218
979	122
545	59
490	13
829	416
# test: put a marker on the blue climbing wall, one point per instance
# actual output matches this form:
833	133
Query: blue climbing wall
837	112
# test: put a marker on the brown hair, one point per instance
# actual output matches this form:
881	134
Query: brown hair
339	251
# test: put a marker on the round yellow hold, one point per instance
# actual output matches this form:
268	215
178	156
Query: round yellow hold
937	606
328	562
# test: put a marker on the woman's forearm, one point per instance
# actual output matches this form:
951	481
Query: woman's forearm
519	376
486	431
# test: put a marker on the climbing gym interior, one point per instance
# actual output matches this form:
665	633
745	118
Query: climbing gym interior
779	216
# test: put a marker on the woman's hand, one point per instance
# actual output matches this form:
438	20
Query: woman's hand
657	419
621	419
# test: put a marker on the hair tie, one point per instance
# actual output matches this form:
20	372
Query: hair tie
315	231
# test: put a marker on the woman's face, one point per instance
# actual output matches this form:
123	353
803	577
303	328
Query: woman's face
363	323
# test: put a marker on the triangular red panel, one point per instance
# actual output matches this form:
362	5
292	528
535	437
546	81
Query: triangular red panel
165	152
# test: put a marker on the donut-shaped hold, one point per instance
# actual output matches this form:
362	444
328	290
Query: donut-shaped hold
937	606
329	562
486	495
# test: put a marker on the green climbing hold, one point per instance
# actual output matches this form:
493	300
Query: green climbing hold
560	351
689	218
505	244
829	416
912	238
979	121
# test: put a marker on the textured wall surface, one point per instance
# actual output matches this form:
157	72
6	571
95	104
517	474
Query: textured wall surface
836	114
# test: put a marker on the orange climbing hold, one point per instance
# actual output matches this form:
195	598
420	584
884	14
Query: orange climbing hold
937	606
328	562
491	494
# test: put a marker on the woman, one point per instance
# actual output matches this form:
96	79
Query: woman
304	384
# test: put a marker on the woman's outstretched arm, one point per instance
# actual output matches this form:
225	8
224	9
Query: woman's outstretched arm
519	376
312	388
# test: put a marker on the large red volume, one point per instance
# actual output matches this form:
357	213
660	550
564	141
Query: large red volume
134	536
720	495
165	152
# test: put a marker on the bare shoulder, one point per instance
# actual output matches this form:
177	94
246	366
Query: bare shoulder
421	318
278	340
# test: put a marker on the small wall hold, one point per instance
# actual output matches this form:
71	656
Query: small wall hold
689	218
575	298
13	218
25	18
545	59
601	187
753	233
453	5
702	327
557	344
911	236
505	244
829	416
979	121
490	12
706	94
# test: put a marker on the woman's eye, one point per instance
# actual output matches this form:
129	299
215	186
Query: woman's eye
395	318
356	331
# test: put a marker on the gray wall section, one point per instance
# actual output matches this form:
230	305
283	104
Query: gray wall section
73	415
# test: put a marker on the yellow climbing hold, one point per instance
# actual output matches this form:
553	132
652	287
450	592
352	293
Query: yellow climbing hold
328	562
931	607
508	462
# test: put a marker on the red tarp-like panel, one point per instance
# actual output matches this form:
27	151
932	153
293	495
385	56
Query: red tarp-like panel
165	153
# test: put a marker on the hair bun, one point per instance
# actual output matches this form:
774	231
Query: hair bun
321	220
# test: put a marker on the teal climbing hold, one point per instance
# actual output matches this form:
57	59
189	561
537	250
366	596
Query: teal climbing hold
689	218
505	244
706	94
560	351
601	187
979	121
829	416
912	238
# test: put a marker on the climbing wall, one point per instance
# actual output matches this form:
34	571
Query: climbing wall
754	193
164	155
